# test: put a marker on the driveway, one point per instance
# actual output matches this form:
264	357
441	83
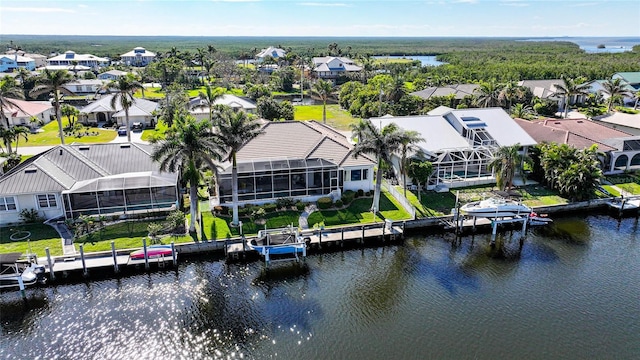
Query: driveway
136	137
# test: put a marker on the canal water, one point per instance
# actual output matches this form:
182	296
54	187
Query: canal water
570	291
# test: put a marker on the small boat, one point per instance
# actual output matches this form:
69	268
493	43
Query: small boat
13	271
494	208
153	251
624	204
539	220
278	242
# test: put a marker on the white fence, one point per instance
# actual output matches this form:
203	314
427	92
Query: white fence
401	199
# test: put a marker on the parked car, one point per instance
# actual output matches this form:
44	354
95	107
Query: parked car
137	126
122	130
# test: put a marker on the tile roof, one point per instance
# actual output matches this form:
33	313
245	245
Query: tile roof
26	108
301	140
139	106
61	167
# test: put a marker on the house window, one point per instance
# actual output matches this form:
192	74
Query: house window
47	201
365	174
360	174
7	203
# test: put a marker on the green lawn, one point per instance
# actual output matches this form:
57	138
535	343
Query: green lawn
150	93
50	136
632	188
216	228
42	236
159	130
629	182
358	212
612	190
336	117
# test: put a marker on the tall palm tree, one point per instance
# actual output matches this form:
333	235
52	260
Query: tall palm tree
14	133
615	88
408	141
9	89
20	132
505	162
234	129
568	89
380	143
188	147
126	86
209	97
323	90
489	93
52	81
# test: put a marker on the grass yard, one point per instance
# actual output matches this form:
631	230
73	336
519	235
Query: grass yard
358	212
50	136
42	236
126	235
612	190
150	93
336	117
160	129
217	228
628	182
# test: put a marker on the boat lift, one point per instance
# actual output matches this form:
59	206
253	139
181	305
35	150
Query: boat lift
286	244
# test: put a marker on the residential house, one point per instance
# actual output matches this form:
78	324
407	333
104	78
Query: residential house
459	91
9	63
139	57
597	87
460	143
272	52
70	58
100	179
141	110
85	87
628	123
621	150
112	75
303	160
631	78
200	110
29	113
332	67
546	89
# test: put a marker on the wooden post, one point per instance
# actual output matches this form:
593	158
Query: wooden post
267	260
84	264
115	257
494	224
404	224
51	274
146	255
474	224
524	224
174	255
363	234
21	286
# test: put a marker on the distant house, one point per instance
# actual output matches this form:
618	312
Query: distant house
99	179
84	87
460	143
143	111
139	57
621	150
9	63
273	52
70	58
631	78
112	75
596	87
299	159
546	89
459	91
332	67
28	110
200	110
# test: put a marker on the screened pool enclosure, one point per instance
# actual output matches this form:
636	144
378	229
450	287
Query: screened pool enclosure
277	178
128	193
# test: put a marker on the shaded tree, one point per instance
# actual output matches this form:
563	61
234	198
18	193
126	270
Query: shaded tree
616	89
9	91
323	90
53	81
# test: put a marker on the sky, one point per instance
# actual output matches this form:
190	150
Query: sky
493	18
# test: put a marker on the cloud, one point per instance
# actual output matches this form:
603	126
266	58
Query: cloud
465	1
583	4
83	6
515	3
324	4
37	10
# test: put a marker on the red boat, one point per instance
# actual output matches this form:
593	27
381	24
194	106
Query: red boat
153	251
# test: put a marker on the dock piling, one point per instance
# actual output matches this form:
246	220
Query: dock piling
146	255
115	257
173	253
84	264
50	262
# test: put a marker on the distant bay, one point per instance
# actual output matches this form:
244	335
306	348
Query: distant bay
426	60
590	44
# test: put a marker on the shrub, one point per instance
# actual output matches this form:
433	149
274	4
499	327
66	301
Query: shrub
360	193
283	203
269	207
338	203
30	215
175	220
300	206
348	196
368	193
324	203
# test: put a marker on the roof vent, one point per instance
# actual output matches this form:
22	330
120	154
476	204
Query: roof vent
30	170
84	148
557	122
579	121
125	146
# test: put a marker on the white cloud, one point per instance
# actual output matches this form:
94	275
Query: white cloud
583	4
324	4
37	10
515	3
83	6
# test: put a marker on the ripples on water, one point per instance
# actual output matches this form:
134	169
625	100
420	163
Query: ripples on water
570	291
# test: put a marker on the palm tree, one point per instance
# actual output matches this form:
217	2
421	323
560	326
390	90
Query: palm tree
9	135
187	148
615	88
521	111
568	89
126	86
9	89
234	129
408	141
504	164
20	132
209	97
489	93
381	143
52	81
323	90
637	96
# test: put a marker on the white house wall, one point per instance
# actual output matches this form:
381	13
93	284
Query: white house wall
29	201
365	185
